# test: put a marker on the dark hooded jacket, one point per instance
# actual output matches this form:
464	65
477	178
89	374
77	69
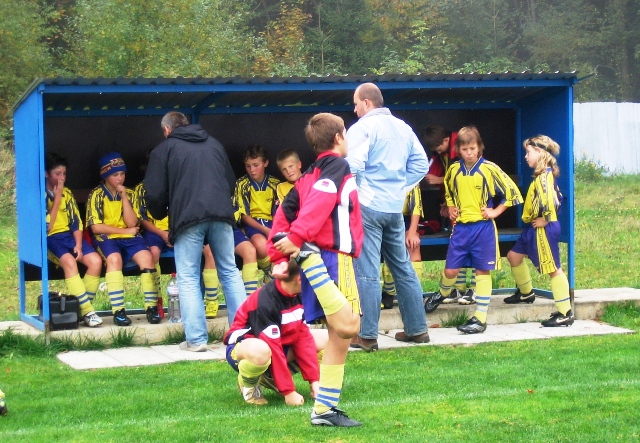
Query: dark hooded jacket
190	178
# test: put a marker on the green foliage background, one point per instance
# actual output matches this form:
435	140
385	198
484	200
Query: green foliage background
208	38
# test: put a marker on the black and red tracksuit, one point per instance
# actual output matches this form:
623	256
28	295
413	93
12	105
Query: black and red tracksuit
322	208
277	317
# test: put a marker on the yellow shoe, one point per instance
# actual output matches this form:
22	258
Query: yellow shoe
211	309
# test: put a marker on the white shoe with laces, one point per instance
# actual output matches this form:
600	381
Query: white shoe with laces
92	320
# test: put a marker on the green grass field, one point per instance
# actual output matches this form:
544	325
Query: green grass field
584	389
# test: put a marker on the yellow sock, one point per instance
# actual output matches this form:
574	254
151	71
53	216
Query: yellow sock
250	277
522	276
211	284
91	285
115	288
388	285
249	374
417	266
461	280
331	379
560	290
148	282
265	265
158	273
75	286
329	296
446	284
484	286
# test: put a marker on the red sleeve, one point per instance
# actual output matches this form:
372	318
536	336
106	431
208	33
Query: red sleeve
280	224
279	366
436	168
304	348
313	215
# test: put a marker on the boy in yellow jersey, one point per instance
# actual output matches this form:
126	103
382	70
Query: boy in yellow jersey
114	221
291	167
471	184
442	145
64	239
412	212
540	237
255	197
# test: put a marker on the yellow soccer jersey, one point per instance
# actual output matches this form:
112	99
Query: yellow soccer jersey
140	206
256	199
413	202
283	189
543	198
68	217
105	208
470	190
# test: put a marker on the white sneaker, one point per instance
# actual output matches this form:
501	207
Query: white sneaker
92	320
186	346
253	395
468	298
452	298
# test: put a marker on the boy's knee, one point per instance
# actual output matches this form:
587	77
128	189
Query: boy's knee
114	261
348	326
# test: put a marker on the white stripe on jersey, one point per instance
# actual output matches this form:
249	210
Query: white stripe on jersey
345	240
292	317
233	338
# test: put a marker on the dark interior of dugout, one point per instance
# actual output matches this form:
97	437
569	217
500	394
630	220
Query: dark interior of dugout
83	140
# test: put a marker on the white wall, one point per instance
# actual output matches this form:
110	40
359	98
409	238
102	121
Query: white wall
608	133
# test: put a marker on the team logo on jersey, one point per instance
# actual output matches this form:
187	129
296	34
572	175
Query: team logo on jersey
325	185
272	332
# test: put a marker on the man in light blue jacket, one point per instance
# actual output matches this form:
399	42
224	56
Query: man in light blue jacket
388	160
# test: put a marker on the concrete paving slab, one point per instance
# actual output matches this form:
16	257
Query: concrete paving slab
138	356
82	360
174	353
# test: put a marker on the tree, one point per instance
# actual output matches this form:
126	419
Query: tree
25	29
147	38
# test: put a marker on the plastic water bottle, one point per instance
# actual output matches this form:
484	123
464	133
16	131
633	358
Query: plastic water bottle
173	299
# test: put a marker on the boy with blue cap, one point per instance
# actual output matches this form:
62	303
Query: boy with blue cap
114	223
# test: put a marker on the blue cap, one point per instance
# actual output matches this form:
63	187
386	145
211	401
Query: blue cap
110	164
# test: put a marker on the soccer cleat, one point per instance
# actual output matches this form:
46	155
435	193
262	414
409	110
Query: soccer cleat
120	318
432	302
153	316
472	326
519	297
454	297
558	319
92	320
468	298
333	417
387	301
253	395
186	346
268	382
211	308
420	338
3	407
366	344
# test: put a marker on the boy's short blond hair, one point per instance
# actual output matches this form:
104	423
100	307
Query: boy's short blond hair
321	131
286	154
469	134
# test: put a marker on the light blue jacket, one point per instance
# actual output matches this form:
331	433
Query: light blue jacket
387	159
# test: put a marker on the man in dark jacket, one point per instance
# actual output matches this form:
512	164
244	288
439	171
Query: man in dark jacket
189	176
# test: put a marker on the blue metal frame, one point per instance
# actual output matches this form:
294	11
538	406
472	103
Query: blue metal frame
542	103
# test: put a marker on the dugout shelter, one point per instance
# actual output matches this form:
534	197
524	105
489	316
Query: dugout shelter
84	118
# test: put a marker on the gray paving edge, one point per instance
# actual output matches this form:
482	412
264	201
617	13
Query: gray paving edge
163	354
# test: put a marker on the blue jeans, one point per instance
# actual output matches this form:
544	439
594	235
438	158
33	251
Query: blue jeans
384	234
188	257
